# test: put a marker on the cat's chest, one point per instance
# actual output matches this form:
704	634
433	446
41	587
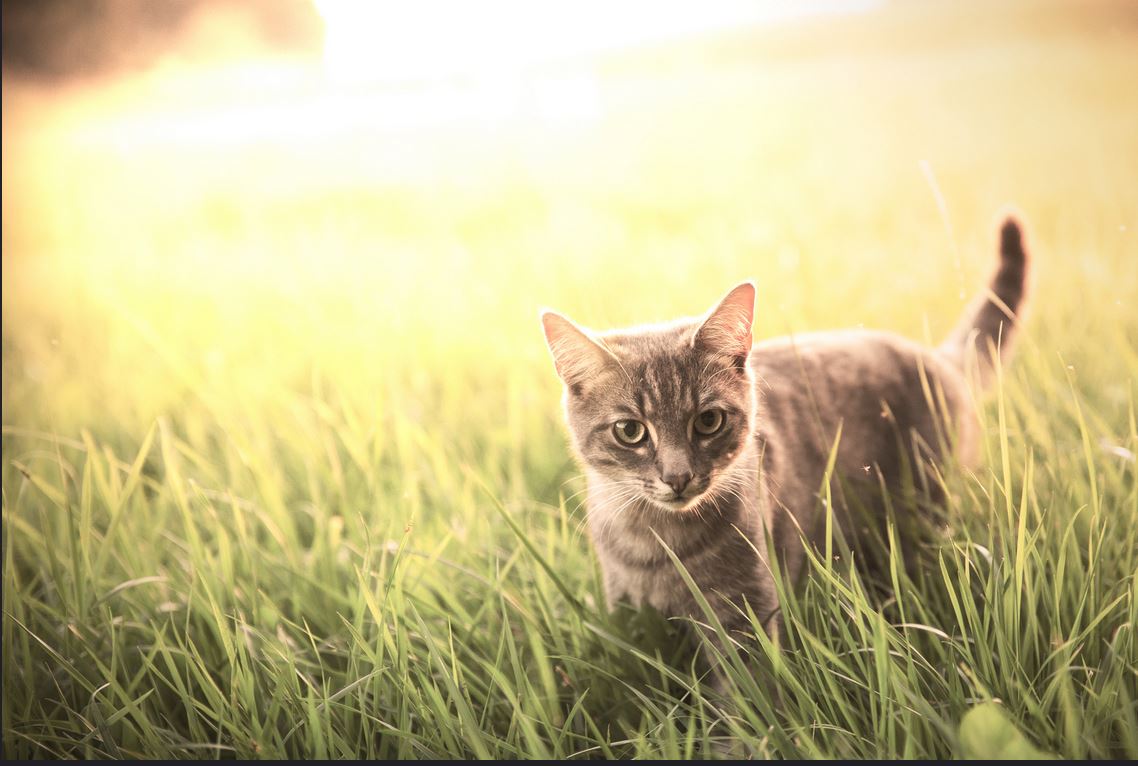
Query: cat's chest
660	587
641	555
721	563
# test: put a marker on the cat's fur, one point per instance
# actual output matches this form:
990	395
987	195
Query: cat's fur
901	408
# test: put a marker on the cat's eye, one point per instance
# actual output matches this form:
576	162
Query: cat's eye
708	422
630	432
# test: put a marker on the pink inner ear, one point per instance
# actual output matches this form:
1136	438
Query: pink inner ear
575	355
728	328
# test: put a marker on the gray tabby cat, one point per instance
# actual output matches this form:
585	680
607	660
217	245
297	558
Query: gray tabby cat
691	436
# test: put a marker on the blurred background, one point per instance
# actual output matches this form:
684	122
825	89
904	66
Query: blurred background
272	362
212	207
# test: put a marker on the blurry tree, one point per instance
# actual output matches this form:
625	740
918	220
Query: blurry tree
56	39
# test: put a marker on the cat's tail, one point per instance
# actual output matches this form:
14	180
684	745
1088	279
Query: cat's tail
983	338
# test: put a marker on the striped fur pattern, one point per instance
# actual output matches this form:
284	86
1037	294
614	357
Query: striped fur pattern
736	436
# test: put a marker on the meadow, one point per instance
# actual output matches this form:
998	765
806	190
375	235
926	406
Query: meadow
284	472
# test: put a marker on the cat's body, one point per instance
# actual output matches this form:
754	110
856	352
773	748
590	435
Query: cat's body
696	439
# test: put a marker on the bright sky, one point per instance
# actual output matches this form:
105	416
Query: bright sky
414	40
403	65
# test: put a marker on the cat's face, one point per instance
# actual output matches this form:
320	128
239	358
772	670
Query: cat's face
661	411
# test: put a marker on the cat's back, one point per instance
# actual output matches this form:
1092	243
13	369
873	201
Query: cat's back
845	362
874	384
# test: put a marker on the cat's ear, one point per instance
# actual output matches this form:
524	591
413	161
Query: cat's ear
576	355
727	329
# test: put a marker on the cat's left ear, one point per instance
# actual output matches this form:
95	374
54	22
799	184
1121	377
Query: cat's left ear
727	329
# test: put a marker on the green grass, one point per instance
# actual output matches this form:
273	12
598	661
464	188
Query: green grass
284	473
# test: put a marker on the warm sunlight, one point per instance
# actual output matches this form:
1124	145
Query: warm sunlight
504	60
389	68
368	364
407	42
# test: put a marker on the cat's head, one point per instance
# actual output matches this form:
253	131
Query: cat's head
665	409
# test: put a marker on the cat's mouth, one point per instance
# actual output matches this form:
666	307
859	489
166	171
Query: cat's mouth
679	503
685	502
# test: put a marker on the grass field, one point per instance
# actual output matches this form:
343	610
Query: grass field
284	473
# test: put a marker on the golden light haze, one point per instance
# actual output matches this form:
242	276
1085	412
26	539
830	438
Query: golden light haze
253	222
285	471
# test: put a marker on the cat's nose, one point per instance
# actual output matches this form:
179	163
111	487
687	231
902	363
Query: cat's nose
677	481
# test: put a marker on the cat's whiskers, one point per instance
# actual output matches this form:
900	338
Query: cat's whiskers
615	515
625	490
732	483
611	509
582	491
567	498
583	520
574	477
735	493
611	516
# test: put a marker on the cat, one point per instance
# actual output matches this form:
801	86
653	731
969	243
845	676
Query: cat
694	437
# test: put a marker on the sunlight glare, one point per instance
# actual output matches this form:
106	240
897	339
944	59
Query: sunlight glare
377	41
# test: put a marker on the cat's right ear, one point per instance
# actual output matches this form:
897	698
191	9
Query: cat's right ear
576	355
